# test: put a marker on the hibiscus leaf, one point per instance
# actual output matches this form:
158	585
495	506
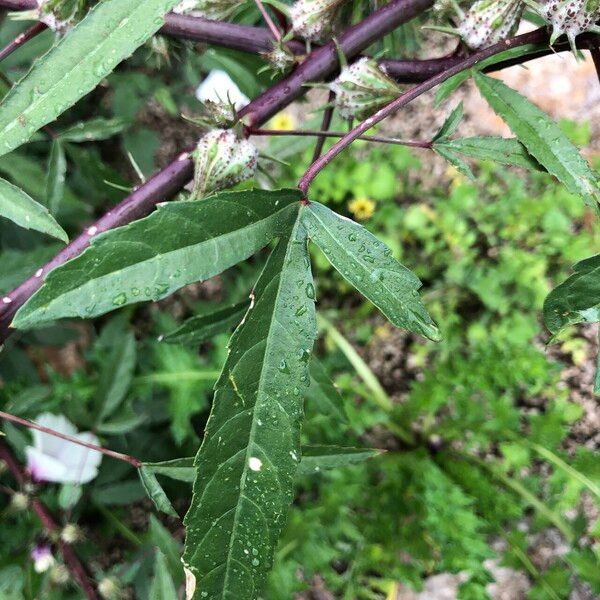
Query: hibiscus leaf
248	460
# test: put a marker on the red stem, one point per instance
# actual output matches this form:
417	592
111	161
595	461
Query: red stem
265	15
75	566
69	438
534	37
21	39
325	124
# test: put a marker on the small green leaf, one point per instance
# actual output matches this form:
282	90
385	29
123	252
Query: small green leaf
450	124
93	130
458	163
162	587
507	151
116	376
369	266
203	327
180	243
181	469
109	33
23	210
321	458
542	137
577	300
323	393
55	179
248	460
169	546
155	491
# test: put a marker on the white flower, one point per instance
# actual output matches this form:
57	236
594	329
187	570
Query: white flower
220	88
42	558
60	461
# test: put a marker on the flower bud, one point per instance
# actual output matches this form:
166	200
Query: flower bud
363	88
222	160
60	15
571	17
59	575
70	533
490	21
216	10
109	588
19	501
315	20
280	58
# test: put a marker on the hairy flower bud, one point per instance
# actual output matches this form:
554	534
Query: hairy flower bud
109	588
216	10
19	501
222	160
60	15
571	17
315	20
70	533
363	88
490	21
280	58
59	575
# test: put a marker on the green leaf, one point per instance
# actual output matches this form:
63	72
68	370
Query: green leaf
458	163
180	243
323	393
93	130
320	458
109	33
248	460
542	137
181	469
450	124
116	376
169	546
55	179
155	491
23	210
162	587
200	328
576	300
507	151
369	266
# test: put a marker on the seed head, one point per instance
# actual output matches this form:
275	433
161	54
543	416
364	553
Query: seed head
315	20
490	21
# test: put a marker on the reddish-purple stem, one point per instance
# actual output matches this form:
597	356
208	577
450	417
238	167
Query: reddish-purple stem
534	37
325	124
21	39
75	566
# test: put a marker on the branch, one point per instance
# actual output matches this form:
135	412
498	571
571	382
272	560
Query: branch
21	39
71	559
538	36
134	462
320	64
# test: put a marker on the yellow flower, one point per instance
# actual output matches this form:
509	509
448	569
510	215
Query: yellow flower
283	122
455	176
362	208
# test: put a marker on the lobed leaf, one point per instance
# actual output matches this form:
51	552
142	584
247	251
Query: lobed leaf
180	243
576	300
251	449
369	266
23	210
542	137
109	33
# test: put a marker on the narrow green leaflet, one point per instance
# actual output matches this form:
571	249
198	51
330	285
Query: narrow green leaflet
180	243
576	300
55	179
458	163
542	137
320	458
323	394
23	210
161	538
450	124
507	151
181	469
109	33
155	491
248	460
369	266
93	130
203	327
162	587
116	376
